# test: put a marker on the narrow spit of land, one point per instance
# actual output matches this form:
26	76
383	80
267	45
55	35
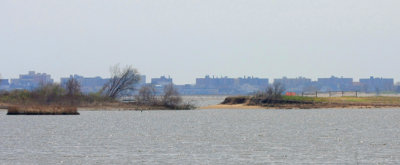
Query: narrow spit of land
298	102
59	109
45	102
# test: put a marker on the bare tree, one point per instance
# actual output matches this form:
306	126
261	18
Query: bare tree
147	95
270	91
122	80
73	87
273	91
278	89
171	97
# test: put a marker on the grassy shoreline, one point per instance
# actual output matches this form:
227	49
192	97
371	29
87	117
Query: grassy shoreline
56	99
298	102
250	102
108	106
51	101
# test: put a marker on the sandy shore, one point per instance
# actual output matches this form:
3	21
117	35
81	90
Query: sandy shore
235	106
108	108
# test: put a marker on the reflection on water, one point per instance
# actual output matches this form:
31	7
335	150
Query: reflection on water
203	137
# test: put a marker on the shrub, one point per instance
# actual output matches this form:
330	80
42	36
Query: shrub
48	93
147	95
171	97
272	92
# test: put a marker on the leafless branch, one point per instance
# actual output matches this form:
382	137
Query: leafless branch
122	79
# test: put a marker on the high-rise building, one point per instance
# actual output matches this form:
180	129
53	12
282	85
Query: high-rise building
162	81
377	84
31	80
88	84
294	84
335	84
4	84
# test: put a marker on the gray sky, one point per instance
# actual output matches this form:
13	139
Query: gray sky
192	38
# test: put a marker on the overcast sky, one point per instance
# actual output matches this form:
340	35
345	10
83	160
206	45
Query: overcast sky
193	38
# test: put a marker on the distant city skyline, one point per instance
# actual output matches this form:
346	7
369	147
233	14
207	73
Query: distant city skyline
149	79
190	39
211	85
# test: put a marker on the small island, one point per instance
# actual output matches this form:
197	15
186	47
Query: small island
299	102
272	98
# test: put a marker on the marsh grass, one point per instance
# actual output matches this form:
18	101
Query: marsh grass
52	97
42	110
